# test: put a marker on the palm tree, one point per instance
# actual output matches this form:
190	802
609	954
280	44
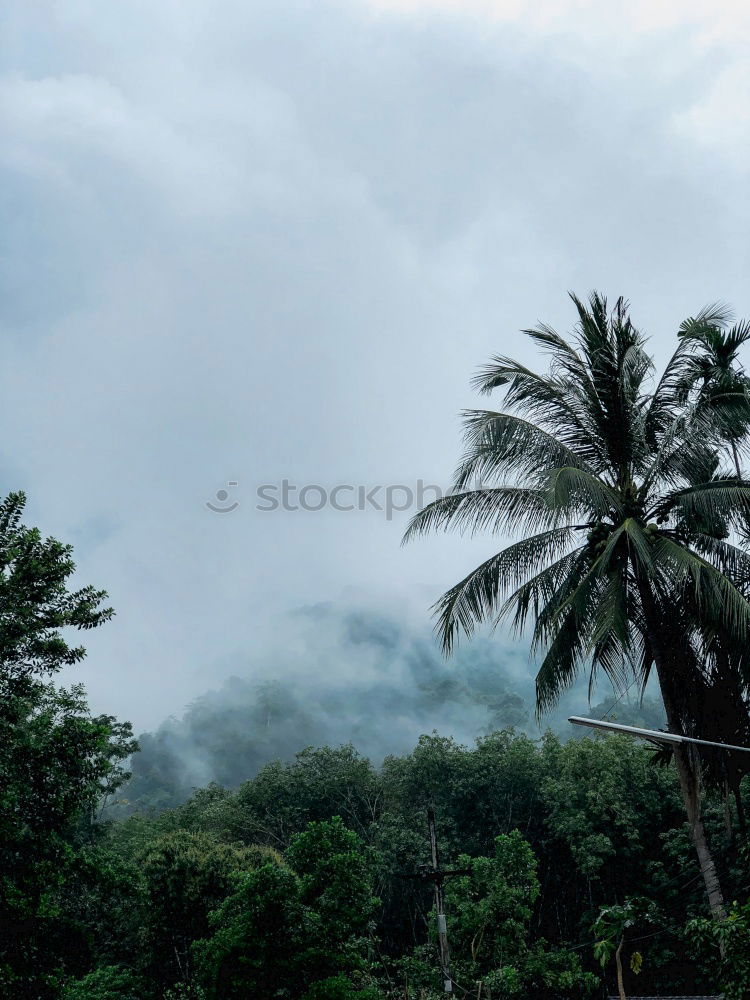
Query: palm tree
718	376
613	478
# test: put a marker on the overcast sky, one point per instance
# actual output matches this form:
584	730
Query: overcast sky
250	241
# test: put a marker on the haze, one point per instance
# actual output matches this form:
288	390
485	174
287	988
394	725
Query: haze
255	242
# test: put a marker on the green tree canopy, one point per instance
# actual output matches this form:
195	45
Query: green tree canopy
186	876
57	761
289	928
36	604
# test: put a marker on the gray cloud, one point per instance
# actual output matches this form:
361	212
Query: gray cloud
256	241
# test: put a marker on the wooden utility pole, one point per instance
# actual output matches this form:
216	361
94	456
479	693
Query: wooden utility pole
437	876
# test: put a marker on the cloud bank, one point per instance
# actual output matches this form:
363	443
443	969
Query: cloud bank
254	242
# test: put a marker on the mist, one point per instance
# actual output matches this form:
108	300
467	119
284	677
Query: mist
340	675
255	242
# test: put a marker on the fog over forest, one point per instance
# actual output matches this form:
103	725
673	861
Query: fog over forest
341	675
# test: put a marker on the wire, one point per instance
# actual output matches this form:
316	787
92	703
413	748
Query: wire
664	930
618	699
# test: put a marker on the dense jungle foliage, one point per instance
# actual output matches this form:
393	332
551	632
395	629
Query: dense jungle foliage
291	881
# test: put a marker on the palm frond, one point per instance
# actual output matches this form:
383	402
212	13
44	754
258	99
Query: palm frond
566	361
719	502
611	636
715	315
737	336
713	592
548	401
570	488
564	630
670	393
511	508
505	444
727	558
477	596
637	548
546	589
686	452
560	666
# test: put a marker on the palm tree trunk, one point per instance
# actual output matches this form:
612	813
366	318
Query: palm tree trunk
687	770
687	773
689	786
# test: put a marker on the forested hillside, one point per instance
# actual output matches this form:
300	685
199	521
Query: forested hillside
360	677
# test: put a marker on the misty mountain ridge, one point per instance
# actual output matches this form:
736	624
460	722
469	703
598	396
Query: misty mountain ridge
337	676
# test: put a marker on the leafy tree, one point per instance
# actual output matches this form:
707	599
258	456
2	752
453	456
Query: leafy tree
288	928
610	929
491	908
186	876
108	982
284	797
733	938
336	887
490	912
185	991
619	479
258	933
35	602
56	760
606	809
340	988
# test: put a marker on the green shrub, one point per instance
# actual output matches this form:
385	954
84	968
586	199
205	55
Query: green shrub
340	988
110	982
